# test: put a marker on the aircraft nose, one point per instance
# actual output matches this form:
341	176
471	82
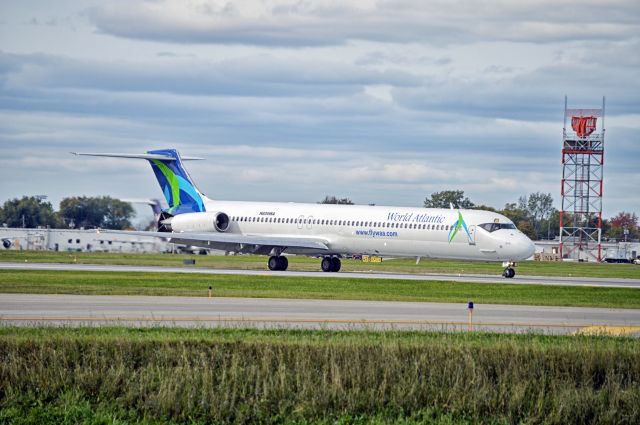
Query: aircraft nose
526	247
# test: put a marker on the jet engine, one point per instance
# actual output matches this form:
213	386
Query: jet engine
195	222
164	222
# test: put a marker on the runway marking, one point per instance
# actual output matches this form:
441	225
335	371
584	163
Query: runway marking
301	320
608	330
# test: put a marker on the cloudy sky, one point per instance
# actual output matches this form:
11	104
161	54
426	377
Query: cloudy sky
384	102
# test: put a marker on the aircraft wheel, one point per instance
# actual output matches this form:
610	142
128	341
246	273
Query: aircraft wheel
273	263
509	273
335	264
283	263
326	264
278	263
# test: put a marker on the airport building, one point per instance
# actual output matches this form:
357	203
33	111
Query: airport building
79	241
610	251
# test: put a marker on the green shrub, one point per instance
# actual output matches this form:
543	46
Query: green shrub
236	376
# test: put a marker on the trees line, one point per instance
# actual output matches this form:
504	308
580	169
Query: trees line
75	212
533	214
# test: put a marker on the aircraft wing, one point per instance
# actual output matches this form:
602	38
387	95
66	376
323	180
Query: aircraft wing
213	238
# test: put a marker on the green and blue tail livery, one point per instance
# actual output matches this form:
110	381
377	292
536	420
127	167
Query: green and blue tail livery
178	189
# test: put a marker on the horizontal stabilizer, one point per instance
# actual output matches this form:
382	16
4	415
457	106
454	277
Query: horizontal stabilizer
139	156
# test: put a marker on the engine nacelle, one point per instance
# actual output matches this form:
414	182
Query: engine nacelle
198	222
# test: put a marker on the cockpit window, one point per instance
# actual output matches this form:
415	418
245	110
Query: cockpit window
492	227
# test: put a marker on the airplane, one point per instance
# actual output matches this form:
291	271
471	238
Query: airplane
329	232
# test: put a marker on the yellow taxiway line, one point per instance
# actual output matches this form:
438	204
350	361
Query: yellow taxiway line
609	330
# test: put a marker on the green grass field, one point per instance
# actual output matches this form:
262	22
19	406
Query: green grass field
178	284
256	262
118	375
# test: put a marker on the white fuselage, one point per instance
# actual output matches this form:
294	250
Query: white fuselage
380	230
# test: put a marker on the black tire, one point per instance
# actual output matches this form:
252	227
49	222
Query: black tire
273	263
283	263
335	264
512	273
326	264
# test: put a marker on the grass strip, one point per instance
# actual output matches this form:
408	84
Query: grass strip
258	262
176	284
162	375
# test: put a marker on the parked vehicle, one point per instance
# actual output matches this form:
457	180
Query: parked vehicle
616	260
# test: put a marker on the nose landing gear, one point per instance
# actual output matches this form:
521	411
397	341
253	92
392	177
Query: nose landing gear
509	272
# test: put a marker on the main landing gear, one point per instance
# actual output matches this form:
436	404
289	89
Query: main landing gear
508	272
278	263
330	264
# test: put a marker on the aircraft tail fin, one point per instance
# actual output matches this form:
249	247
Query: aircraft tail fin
178	188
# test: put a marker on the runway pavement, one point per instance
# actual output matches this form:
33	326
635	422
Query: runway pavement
76	310
522	280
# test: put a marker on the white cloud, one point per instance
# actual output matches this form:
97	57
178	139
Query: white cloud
390	172
313	23
380	92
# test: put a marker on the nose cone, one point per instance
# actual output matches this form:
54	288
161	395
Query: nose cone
525	247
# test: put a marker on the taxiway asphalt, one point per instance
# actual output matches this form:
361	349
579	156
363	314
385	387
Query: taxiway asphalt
84	310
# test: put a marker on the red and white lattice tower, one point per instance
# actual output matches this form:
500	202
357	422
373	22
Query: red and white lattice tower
582	167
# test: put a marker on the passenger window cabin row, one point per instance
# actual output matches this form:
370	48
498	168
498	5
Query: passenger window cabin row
348	223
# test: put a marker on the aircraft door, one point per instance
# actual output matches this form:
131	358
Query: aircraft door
300	222
472	233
